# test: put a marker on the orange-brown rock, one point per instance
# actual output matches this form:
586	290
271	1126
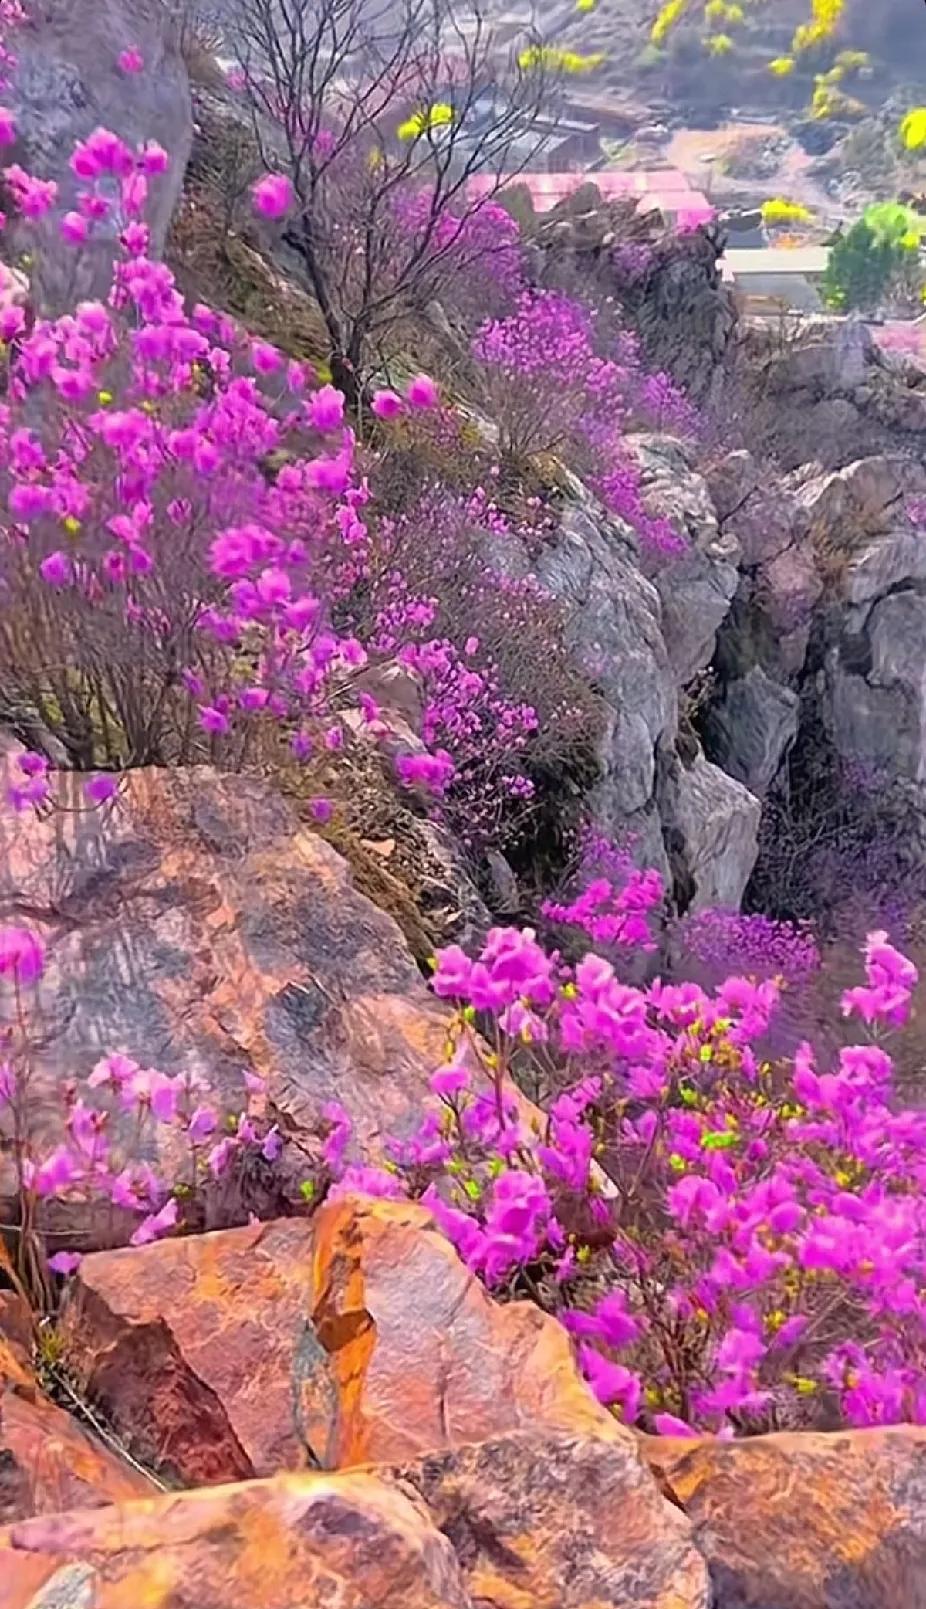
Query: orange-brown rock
544	1521
421	1356
195	925
352	1338
297	1542
806	1521
198	1349
47	1460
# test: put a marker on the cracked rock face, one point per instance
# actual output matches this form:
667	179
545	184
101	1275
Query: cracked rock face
751	727
876	693
198	928
365	1339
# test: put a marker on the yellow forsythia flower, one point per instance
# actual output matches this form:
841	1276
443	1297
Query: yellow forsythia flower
780	211
556	59
719	44
669	15
440	115
782	66
913	129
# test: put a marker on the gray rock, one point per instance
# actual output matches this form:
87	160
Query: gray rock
834	355
615	634
884	562
711	823
790	586
833	416
731	481
860	500
876	688
763	526
695	590
751	728
68	82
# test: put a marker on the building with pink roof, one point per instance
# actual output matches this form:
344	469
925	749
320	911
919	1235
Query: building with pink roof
664	189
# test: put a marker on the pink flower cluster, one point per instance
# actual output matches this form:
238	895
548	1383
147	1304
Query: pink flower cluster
126	1112
730	1242
760	945
610	914
138	501
553	390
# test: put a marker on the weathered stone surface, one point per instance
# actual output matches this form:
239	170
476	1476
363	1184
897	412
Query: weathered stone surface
876	680
790	587
554	1522
860	500
47	1460
68	82
882	562
712	823
749	730
806	1521
335	1542
685	314
696	592
696	588
616	638
731	481
197	927
834	356
198	1350
359	1337
763	526
422	1357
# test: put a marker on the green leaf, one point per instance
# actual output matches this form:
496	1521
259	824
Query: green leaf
718	1140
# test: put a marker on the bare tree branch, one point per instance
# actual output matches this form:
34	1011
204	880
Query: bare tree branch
382	220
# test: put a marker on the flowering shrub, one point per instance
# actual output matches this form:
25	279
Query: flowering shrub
185	513
759	945
612	902
552	391
500	694
138	1146
734	1244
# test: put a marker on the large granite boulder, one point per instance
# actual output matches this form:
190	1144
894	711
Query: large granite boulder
711	825
806	1521
360	1341
751	727
614	632
357	1337
345	1542
875	689
68	82
198	927
696	587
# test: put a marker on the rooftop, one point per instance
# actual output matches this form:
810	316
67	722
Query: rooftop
663	188
739	262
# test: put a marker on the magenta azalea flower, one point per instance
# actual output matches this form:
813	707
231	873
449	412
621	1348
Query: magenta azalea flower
22	955
273	195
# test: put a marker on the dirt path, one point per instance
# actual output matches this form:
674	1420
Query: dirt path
697	153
